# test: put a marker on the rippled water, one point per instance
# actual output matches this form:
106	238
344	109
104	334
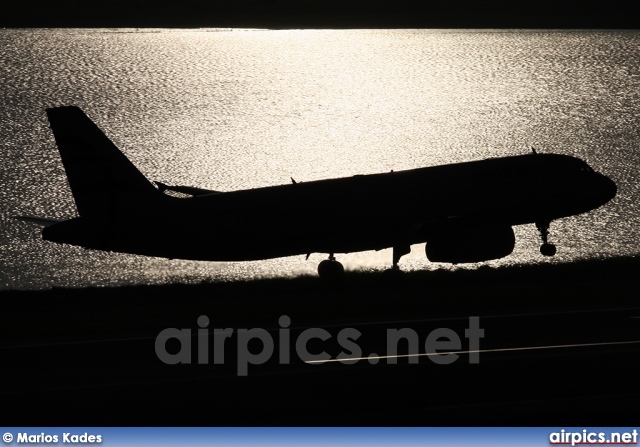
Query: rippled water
230	109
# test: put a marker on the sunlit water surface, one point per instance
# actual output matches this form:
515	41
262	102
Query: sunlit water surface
237	109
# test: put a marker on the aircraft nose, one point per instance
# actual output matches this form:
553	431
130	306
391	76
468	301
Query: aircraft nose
607	187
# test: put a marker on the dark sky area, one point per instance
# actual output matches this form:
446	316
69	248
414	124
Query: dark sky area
620	14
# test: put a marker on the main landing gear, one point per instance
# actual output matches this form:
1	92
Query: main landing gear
546	248
398	252
330	269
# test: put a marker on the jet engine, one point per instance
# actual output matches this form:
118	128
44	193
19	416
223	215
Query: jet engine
475	243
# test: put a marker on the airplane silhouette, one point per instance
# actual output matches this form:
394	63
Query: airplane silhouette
464	212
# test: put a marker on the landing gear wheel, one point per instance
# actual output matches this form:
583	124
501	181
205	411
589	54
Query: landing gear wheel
330	269
548	249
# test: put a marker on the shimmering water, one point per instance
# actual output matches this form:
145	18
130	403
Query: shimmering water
231	109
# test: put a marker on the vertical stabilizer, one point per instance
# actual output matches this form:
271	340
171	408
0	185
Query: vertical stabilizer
98	173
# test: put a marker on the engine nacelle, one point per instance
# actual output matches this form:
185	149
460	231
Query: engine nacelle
463	244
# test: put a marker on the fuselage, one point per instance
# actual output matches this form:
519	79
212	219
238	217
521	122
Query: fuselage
363	212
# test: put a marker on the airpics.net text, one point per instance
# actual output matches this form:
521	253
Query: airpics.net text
441	346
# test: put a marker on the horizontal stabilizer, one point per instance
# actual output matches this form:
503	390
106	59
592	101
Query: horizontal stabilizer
186	190
44	221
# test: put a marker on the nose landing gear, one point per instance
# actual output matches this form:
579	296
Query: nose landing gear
546	249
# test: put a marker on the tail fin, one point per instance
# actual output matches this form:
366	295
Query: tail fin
98	173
